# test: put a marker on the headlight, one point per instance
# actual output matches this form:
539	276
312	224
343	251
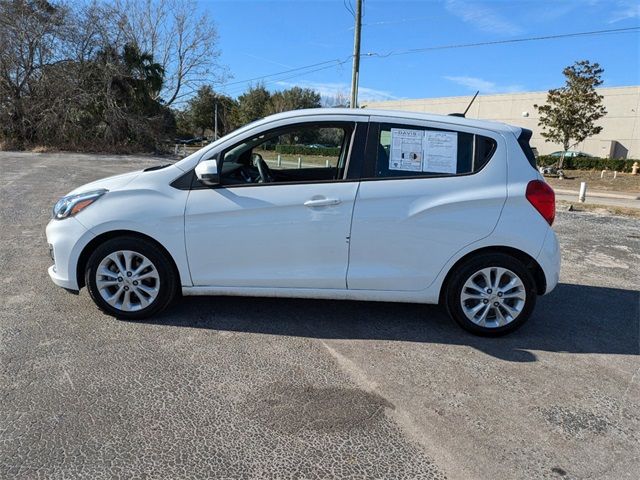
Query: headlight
71	204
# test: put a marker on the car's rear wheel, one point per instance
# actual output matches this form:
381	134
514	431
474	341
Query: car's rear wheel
130	278
492	294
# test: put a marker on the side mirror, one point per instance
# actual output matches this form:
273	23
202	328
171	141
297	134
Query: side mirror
207	172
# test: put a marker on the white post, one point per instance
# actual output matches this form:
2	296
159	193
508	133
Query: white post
299	162
175	149
615	174
583	192
279	160
602	173
326	163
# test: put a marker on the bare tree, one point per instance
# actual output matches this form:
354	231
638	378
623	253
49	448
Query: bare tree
179	37
28	43
339	99
100	74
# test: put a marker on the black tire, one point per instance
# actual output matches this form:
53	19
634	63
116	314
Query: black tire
168	279
464	272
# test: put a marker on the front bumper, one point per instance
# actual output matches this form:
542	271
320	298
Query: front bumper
64	282
67	238
549	259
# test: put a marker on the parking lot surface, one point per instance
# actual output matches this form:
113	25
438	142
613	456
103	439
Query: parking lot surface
226	387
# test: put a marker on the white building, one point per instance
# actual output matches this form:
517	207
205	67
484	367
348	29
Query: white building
620	136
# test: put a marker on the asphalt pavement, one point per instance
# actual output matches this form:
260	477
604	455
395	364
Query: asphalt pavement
225	387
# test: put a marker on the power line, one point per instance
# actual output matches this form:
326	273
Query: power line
338	62
500	42
349	7
341	62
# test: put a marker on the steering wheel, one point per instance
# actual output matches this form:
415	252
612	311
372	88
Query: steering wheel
263	168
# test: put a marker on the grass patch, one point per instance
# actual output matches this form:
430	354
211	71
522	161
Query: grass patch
624	182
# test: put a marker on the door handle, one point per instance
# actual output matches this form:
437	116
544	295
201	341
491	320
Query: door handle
322	202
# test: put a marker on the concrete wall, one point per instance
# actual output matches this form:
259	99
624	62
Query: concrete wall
621	124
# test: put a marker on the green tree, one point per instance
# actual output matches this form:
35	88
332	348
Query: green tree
570	113
184	127
138	79
144	75
294	98
121	87
253	104
202	111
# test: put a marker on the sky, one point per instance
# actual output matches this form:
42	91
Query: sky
258	38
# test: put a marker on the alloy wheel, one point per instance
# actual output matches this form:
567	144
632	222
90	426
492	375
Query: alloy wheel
493	297
127	280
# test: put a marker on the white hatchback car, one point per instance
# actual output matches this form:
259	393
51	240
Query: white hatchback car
323	203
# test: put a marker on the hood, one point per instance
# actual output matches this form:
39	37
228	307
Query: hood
110	183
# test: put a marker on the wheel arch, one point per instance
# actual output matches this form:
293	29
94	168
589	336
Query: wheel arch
527	260
103	237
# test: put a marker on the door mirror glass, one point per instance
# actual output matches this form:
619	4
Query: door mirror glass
207	172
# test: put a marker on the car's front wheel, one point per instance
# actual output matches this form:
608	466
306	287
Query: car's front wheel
492	294
130	278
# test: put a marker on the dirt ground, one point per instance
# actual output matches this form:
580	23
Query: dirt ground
624	182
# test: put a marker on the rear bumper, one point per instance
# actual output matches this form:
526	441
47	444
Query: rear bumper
549	260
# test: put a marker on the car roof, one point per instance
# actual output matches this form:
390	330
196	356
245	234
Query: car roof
399	114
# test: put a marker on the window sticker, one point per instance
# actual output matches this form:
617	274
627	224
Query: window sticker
406	150
440	152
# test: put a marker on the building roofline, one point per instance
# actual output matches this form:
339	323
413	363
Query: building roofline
504	94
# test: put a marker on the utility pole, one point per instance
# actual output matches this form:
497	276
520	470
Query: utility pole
356	55
215	121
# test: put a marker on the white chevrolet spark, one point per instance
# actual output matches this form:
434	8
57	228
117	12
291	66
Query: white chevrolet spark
324	203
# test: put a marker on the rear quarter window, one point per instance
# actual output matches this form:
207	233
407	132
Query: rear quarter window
413	151
523	140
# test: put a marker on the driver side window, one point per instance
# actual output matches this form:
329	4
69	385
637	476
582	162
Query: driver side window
301	153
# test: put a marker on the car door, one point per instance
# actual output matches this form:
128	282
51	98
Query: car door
289	233
427	191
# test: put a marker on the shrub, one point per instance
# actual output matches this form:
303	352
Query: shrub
304	150
588	163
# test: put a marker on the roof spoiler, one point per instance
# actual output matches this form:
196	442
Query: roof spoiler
467	109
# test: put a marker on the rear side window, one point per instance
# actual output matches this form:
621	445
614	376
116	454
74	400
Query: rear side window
523	140
411	151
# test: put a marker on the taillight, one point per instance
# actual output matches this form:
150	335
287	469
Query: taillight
542	197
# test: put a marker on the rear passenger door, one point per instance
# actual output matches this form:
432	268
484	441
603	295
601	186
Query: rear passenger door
427	190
